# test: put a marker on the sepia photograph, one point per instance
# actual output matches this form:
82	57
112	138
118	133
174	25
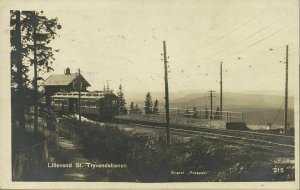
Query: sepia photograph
163	94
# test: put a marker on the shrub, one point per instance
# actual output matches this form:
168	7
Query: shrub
150	159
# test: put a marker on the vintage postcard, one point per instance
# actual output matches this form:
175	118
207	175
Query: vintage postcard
163	94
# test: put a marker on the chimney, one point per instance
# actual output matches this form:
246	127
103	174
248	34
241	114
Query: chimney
68	72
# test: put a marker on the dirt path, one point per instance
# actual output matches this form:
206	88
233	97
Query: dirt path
74	156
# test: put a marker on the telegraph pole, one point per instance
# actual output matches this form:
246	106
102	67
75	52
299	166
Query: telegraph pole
79	96
286	89
211	101
166	93
221	91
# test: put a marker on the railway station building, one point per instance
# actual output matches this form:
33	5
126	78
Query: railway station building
67	82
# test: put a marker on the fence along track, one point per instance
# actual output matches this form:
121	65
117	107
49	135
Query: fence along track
273	147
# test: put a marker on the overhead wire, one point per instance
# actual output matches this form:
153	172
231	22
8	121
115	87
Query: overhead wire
259	41
262	29
239	51
240	26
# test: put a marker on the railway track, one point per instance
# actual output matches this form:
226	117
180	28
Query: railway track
271	138
277	144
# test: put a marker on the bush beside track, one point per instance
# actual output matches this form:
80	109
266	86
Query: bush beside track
149	159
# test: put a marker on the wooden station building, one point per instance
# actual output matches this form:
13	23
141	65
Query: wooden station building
67	82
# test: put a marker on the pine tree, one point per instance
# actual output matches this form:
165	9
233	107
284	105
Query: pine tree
137	109
155	108
17	78
121	101
148	104
107	87
35	32
132	109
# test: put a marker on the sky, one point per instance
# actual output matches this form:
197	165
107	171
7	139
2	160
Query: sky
121	41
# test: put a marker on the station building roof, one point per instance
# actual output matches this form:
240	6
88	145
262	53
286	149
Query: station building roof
63	79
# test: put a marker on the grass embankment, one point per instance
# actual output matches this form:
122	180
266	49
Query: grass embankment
149	159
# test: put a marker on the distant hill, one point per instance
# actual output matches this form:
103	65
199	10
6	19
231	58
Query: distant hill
232	101
257	108
139	97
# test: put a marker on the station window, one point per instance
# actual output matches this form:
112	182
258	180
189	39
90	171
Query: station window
66	101
92	104
57	102
83	103
88	103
